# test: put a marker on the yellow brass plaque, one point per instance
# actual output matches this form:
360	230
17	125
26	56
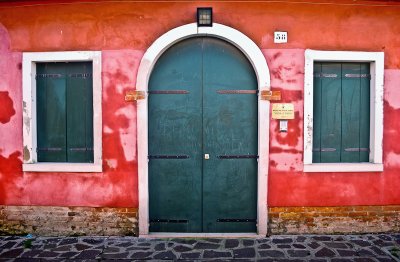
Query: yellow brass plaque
131	96
270	95
282	111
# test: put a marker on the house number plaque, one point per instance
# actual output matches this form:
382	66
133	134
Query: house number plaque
282	111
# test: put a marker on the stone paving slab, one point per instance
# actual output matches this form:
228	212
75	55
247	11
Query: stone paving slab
313	248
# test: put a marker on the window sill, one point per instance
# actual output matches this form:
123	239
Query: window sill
62	167
343	167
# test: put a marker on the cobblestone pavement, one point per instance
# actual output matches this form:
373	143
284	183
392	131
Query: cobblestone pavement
335	248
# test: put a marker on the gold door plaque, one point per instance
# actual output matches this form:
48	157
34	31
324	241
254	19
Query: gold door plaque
134	95
282	111
270	95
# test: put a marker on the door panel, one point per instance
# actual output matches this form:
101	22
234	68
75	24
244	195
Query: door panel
230	131
175	130
203	100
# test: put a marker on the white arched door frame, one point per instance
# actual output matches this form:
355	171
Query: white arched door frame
256	58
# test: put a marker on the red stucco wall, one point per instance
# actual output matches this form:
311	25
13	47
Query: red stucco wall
123	32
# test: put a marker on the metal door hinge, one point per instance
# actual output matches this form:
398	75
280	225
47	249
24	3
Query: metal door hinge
233	220
168	157
131	96
168	92
173	221
236	156
326	149
48	149
356	149
226	91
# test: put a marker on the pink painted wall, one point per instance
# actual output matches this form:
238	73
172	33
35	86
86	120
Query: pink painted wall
288	185
123	31
116	186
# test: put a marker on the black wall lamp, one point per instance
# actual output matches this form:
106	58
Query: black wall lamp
204	16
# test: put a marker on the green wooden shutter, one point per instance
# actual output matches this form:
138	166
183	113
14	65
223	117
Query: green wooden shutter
341	112
51	112
330	113
355	118
64	112
79	112
351	113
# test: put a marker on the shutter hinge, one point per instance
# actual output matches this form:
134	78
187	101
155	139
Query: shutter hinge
324	75
131	96
358	76
49	76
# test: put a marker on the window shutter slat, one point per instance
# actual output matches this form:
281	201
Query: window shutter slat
317	108
89	114
331	113
51	108
350	112
79	133
365	114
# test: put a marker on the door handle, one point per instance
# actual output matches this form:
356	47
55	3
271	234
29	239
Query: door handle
206	156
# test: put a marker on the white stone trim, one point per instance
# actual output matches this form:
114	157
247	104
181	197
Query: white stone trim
256	58
343	167
376	60
201	235
29	60
62	167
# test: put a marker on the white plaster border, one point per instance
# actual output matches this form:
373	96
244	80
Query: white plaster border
256	58
29	60
376	60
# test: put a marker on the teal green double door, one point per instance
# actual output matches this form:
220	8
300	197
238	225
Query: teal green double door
203	139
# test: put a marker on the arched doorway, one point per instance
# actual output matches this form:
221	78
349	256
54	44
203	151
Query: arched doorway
203	139
258	63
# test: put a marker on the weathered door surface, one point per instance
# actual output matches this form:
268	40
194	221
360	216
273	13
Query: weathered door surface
203	139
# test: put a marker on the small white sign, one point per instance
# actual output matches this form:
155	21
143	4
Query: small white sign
283	125
280	37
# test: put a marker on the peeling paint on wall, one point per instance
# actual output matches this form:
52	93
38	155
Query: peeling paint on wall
10	95
392	88
27	155
128	135
11	173
7	107
287	70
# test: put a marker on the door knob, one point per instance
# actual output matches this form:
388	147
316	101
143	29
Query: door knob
206	156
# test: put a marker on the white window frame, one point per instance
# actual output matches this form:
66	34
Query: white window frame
376	60
29	60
